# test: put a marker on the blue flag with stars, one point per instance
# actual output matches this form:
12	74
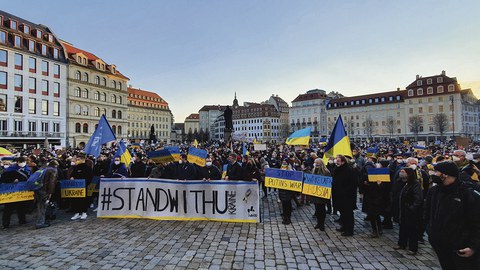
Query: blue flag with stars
103	134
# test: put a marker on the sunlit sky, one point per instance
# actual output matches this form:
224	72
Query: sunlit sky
200	52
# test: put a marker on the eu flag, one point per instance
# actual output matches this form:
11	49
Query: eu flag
339	143
103	134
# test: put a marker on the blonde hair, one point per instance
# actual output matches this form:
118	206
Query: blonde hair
322	167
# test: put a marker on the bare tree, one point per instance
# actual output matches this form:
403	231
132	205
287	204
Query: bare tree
440	121
349	125
415	124
368	123
391	125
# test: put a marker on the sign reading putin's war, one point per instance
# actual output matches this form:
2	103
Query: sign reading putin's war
73	188
317	185
15	193
283	179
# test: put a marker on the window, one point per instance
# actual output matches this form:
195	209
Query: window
56	89
77	75
55	53
18	104
119	130
114	99
104	97
85	77
420	91
50	38
3	125
114	114
85	110
44	87
440	98
32	105
18	82
430	109
44	107
77	110
104	82
3	80
45	68
56	127
440	89
3	58
119	100
78	127
119	114
114	129
97	80
56	108
85	128
38	33
120	85
451	88
32	126
439	79
114	84
31	45
17	41
18	125
26	29
3	37
96	95
440	108
410	93
85	93
44	49
44	126
3	103
13	24
18	61
104	112
430	90
56	71
411	110
96	112
429	81
32	64
419	82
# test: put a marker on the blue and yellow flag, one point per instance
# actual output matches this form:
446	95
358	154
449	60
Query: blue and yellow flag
339	143
174	151
299	137
378	174
123	153
197	156
161	156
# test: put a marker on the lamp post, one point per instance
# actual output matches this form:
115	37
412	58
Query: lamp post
453	119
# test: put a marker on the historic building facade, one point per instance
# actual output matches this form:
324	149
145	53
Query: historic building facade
147	109
309	110
33	84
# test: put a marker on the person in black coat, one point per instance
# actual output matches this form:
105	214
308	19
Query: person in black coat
234	170
286	197
185	169
250	171
81	171
411	203
138	168
320	203
378	194
345	179
452	215
210	171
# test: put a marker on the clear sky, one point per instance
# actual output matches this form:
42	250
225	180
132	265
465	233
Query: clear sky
200	52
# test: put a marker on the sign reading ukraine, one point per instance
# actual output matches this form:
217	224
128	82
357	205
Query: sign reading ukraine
73	188
15	193
317	185
197	156
283	179
378	174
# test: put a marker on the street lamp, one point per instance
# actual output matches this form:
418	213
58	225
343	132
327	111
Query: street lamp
453	120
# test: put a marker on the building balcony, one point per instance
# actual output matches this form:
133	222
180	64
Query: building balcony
31	134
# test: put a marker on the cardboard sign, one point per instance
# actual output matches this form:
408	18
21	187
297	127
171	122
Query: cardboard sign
317	185
283	179
18	192
72	188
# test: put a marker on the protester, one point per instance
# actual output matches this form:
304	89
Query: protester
345	185
44	194
210	172
319	168
138	168
118	169
185	170
234	170
286	197
81	171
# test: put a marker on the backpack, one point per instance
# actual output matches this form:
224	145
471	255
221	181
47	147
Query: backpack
35	181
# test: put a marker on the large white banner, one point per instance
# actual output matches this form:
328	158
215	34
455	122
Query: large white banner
232	201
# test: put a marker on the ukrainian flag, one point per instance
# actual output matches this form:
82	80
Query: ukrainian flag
378	174
300	137
123	153
339	143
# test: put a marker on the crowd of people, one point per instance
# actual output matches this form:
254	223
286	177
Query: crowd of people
433	191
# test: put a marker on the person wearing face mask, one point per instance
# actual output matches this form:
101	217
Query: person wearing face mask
138	168
81	171
452	213
117	169
234	170
210	171
250	171
18	172
344	186
358	159
286	197
363	184
411	202
185	170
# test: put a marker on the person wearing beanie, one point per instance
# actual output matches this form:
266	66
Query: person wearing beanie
452	214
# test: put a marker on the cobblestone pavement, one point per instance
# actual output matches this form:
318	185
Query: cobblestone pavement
149	244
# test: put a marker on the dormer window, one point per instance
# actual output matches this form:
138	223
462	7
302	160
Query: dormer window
113	70
410	93
26	29
13	24
376	100
50	38
439	79
419	82
429	81
38	34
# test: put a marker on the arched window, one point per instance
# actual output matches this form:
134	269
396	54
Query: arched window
114	84
114	129
77	75
85	128
104	112
78	128
114	99
96	95
119	114
119	87
119	99
104	97
97	80
114	114
85	93
119	130
104	82
85	110
78	92
97	111
85	77
77	109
